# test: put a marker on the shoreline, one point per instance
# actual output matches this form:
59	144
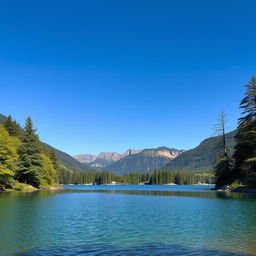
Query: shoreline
22	187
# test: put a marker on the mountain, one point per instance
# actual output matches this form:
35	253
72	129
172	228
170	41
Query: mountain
103	159
130	152
85	158
201	159
144	161
64	158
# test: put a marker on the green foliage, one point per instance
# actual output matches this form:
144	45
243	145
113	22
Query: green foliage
223	171
12	127
30	163
235	184
48	176
245	150
159	177
23	187
8	157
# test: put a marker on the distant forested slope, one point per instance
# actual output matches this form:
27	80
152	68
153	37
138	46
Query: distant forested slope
201	159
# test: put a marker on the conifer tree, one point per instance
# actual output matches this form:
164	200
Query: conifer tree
30	163
245	150
12	127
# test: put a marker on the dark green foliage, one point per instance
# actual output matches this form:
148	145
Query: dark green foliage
223	171
12	127
167	177
245	150
30	163
202	158
160	177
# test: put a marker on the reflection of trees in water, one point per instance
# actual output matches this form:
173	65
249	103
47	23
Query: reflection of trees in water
206	194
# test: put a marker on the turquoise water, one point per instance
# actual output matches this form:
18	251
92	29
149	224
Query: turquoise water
128	220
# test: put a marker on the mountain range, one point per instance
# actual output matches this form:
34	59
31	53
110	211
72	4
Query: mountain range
199	160
132	160
104	158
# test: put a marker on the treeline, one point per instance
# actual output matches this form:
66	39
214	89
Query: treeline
23	158
240	168
155	178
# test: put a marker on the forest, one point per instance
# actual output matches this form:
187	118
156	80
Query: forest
157	177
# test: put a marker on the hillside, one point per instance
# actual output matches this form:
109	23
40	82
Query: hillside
64	158
201	159
144	162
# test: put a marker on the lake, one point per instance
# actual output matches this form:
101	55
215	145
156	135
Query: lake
128	220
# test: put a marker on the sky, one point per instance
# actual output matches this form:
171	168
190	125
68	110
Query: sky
100	76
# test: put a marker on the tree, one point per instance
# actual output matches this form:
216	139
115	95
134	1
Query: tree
12	127
8	157
245	150
49	174
223	162
30	163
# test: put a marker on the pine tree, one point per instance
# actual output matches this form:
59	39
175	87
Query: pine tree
12	127
245	150
8	157
30	163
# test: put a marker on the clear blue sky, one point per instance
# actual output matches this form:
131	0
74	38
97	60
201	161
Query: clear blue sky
111	75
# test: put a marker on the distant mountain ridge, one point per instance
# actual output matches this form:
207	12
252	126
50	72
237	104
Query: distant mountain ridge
103	159
143	161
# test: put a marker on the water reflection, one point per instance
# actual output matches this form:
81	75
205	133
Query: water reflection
103	220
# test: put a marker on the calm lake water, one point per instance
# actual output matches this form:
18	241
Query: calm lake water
128	220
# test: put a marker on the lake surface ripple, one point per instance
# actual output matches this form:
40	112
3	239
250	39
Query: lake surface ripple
128	220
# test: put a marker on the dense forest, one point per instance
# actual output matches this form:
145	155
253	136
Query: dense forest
158	177
239	168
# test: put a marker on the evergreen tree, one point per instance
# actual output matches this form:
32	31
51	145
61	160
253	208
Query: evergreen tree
12	127
8	157
245	150
30	163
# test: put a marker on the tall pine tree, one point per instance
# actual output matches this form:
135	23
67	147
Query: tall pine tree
30	163
245	150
